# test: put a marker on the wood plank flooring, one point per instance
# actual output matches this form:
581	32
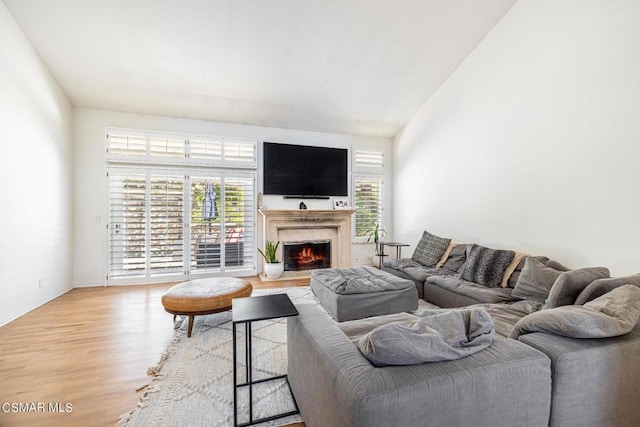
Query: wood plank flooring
90	349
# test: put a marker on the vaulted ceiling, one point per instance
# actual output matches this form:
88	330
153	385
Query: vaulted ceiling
361	67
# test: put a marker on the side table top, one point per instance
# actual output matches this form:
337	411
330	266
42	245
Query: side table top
264	307
394	244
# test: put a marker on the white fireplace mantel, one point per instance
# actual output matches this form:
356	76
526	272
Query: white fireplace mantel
303	224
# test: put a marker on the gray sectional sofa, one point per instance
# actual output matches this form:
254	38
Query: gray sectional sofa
532	379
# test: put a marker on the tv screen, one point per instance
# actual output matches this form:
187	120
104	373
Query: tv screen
301	170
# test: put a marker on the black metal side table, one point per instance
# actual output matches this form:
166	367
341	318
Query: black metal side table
396	245
248	310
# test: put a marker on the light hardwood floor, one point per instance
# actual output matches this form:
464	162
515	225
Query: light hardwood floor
90	348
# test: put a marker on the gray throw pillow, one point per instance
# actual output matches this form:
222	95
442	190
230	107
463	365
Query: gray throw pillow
556	265
602	286
610	315
570	283
439	335
485	266
535	281
430	249
516	273
456	259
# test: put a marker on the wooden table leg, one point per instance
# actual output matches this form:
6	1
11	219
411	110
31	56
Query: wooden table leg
190	326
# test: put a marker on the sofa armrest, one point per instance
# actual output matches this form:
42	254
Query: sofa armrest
508	383
595	381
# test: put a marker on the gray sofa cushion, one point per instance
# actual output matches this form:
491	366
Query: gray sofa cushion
570	283
435	336
359	280
401	264
535	281
513	279
507	384
556	265
602	286
415	270
456	259
612	314
430	249
357	292
505	316
595	381
421	273
478	293
486	266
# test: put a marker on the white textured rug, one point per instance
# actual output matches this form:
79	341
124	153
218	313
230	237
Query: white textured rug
193	384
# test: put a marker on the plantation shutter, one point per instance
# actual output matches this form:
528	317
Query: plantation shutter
368	161
158	183
127	227
368	204
368	172
206	236
166	223
166	147
206	149
239	222
225	243
126	144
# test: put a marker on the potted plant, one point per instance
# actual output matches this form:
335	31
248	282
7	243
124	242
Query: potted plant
272	267
376	233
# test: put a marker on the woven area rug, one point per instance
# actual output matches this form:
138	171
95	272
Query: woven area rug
193	383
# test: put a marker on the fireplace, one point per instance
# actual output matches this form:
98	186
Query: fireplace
309	255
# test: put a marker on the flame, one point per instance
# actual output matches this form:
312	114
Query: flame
307	256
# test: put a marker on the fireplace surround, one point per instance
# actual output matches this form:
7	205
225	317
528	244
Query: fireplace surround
286	225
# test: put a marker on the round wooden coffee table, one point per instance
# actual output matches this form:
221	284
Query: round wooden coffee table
204	296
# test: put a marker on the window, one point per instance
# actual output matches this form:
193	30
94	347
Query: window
368	173
368	204
224	236
134	146
179	221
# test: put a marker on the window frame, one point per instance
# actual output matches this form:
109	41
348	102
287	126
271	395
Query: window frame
186	167
185	158
367	171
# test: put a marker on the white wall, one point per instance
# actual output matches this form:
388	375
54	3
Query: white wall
90	180
35	177
533	143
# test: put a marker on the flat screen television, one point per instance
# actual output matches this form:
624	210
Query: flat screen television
305	171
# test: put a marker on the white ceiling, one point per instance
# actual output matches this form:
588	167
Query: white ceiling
360	67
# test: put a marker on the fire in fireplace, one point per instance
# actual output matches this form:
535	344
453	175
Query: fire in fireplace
307	255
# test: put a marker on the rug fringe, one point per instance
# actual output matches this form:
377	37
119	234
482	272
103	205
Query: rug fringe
125	419
152	387
171	348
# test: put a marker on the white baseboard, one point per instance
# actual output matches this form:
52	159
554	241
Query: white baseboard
89	284
11	318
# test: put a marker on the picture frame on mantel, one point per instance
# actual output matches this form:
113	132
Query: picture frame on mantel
341	203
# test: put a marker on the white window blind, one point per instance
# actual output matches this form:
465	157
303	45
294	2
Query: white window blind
239	151
166	202
148	230
135	146
166	147
368	204
126	144
206	149
368	173
368	161
224	241
127	227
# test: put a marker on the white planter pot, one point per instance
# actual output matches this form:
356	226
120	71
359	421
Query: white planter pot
273	270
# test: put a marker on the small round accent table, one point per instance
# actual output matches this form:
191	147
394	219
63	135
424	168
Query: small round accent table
204	296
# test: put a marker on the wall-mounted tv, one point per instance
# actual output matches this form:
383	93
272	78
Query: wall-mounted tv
305	171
